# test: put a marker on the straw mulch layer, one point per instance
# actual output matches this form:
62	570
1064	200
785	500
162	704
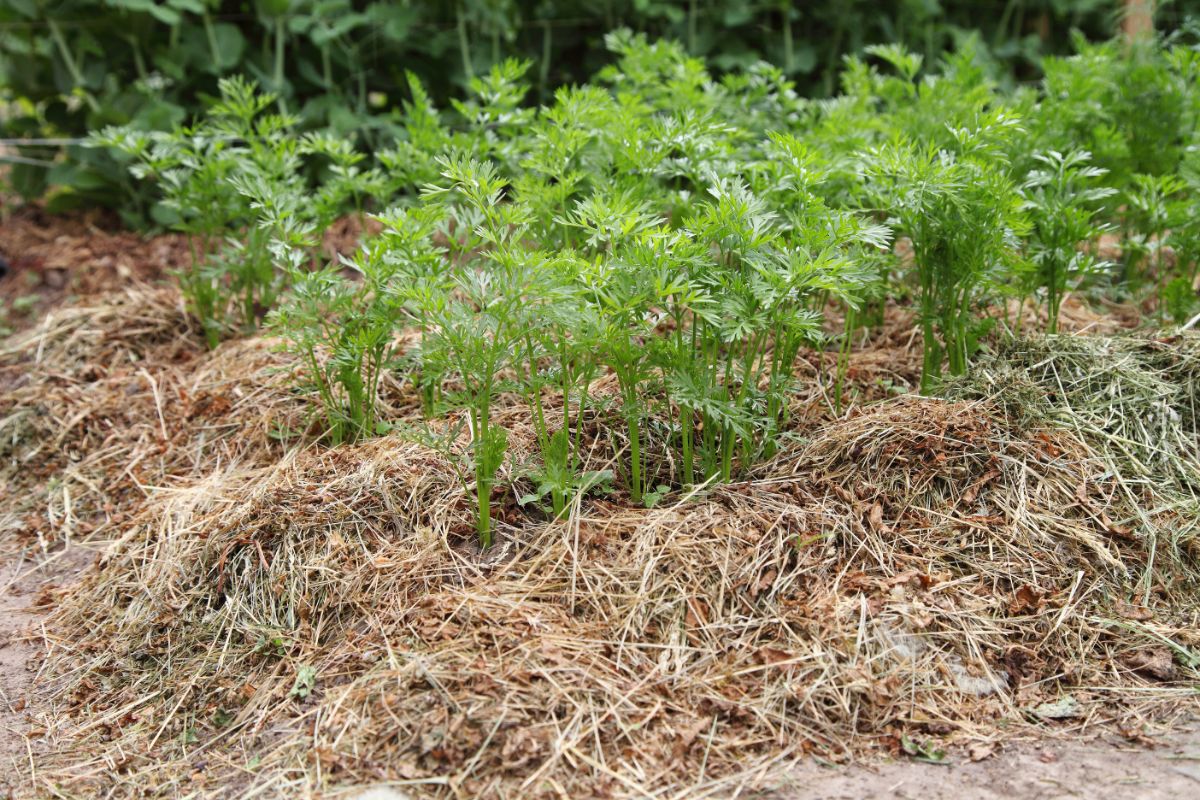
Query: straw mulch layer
292	620
52	257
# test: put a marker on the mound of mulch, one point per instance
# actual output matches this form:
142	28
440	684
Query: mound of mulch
50	257
284	620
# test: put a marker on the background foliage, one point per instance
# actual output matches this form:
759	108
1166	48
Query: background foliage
70	66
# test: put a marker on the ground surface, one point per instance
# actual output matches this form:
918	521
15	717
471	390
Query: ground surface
25	587
1155	768
16	662
1100	769
52	260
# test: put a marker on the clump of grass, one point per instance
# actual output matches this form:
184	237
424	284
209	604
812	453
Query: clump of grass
1134	399
1137	391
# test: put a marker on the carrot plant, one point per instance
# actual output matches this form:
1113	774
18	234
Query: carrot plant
411	161
631	289
343	333
1133	105
479	329
346	181
674	234
422	279
1181	294
754	284
1153	207
1062	198
557	364
202	171
964	217
234	183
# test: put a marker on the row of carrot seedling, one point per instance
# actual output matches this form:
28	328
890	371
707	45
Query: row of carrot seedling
678	233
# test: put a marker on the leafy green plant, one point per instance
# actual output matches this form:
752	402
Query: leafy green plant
343	333
1062	198
557	362
1131	104
650	252
629	288
1180	298
1153	207
476	329
234	183
70	66
212	177
754	290
964	217
1181	294
305	683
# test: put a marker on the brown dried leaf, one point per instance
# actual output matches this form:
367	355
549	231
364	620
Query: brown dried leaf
1129	611
1026	600
981	750
697	612
972	492
1115	529
765	582
1048	446
1153	662
688	735
773	655
875	519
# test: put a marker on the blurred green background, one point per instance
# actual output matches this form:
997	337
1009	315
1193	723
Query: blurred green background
71	66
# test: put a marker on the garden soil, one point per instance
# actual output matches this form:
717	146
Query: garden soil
915	597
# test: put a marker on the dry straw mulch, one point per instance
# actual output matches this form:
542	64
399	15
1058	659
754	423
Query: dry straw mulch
286	621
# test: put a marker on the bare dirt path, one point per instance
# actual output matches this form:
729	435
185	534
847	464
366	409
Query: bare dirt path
27	587
1097	770
1051	770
